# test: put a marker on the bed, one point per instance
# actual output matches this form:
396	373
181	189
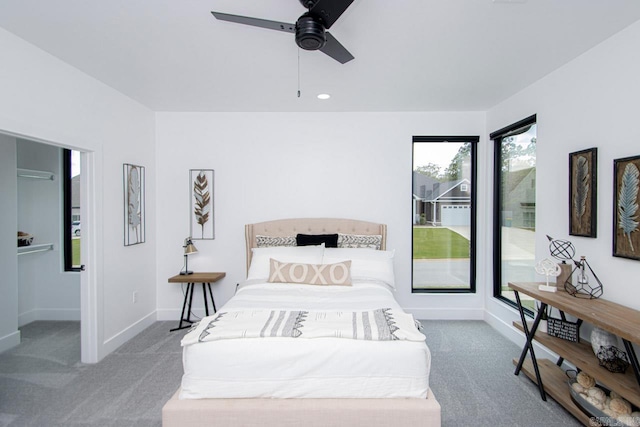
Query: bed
277	380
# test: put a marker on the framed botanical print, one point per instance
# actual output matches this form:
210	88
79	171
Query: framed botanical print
583	180
134	204
626	214
201	221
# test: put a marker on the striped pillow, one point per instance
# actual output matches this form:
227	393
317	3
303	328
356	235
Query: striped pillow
270	241
360	241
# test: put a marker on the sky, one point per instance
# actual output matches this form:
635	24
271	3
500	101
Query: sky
439	153
75	163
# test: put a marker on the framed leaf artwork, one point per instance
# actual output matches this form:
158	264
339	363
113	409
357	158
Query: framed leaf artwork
583	179
626	213
201	206
134	204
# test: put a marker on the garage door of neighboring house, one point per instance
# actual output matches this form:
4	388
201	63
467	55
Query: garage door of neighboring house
456	215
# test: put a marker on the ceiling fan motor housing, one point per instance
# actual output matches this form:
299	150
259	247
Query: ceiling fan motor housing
310	33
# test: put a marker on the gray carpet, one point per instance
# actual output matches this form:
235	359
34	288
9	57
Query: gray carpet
472	378
43	383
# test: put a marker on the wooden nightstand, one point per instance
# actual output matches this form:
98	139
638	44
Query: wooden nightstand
191	279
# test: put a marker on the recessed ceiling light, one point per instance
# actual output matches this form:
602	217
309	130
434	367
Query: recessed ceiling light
324	96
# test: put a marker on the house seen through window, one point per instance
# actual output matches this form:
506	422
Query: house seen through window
515	207
72	223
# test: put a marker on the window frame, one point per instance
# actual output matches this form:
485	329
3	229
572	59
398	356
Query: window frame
473	140
497	137
67	213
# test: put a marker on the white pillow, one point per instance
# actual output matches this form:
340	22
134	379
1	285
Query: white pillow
259	268
366	264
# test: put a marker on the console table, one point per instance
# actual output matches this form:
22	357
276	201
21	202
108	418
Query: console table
615	318
191	279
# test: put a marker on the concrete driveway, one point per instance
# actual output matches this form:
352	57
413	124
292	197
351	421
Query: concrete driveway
518	249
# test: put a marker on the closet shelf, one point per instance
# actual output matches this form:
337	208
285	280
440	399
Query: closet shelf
35	248
35	174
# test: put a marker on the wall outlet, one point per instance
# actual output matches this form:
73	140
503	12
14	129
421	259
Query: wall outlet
135	297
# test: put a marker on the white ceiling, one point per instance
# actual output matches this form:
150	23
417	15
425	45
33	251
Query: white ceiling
410	55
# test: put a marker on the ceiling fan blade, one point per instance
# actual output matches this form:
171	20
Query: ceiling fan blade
334	49
330	10
263	23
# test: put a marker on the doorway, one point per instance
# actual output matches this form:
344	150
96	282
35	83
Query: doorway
45	290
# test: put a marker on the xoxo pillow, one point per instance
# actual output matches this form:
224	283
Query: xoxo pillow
311	274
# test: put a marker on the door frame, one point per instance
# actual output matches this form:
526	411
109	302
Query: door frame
90	298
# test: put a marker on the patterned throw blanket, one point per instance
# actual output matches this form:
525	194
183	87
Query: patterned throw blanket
383	324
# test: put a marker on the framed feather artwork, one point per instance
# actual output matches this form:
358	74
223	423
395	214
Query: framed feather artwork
134	206
201	206
626	216
583	179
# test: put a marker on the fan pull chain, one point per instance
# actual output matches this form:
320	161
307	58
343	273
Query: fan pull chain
298	72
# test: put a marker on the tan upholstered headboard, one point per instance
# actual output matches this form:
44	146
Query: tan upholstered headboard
292	227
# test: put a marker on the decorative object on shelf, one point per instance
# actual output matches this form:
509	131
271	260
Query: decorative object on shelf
564	276
626	234
613	359
542	326
601	338
583	178
134	204
189	248
600	404
564	329
562	250
584	287
24	239
548	268
201	221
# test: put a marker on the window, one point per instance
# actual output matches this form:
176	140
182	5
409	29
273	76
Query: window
515	207
72	224
443	203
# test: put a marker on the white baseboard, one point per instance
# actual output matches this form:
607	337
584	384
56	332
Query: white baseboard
9	341
446	313
126	334
49	314
28	317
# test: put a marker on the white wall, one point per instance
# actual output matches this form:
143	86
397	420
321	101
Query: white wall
9	334
590	102
44	99
284	165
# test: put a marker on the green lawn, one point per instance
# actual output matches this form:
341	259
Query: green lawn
438	243
75	251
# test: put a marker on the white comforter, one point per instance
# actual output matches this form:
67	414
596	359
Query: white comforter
280	367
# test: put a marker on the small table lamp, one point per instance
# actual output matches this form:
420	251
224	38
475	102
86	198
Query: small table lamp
189	248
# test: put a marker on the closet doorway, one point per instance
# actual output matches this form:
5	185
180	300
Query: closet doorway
53	212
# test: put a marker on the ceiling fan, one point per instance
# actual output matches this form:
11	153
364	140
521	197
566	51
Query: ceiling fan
310	28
